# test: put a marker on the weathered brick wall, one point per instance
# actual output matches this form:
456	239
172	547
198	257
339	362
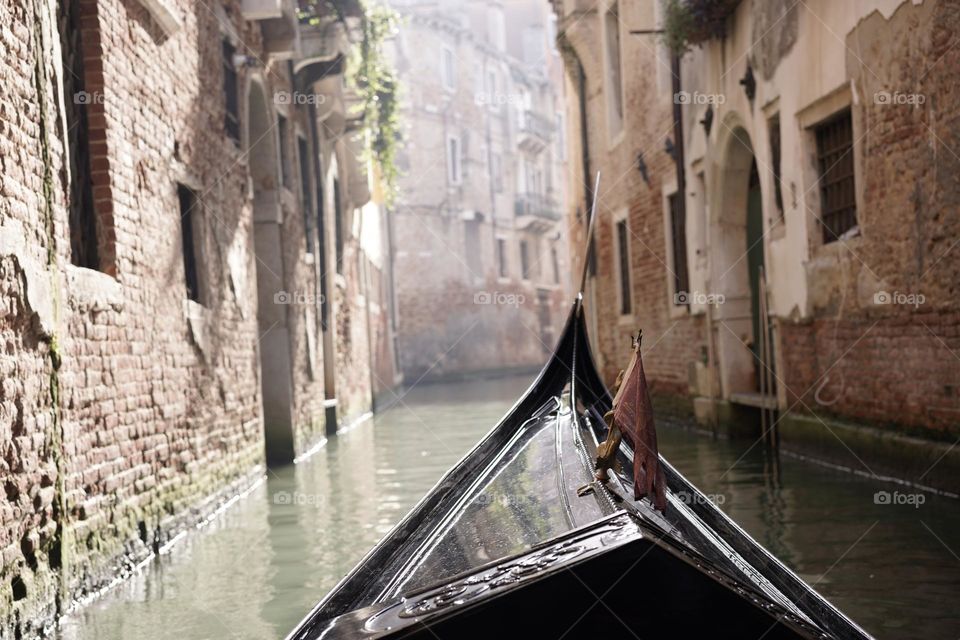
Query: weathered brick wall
894	362
120	417
671	340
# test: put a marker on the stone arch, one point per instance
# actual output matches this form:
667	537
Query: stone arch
276	363
731	255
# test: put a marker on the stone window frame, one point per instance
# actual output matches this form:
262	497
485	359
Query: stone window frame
526	273
615	111
820	110
503	260
622	215
448	56
454	161
674	310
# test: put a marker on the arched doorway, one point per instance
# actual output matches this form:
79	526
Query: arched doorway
276	382
738	258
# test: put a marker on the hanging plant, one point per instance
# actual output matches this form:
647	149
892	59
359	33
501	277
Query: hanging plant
691	22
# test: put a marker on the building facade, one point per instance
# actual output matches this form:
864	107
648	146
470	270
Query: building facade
790	170
176	307
480	258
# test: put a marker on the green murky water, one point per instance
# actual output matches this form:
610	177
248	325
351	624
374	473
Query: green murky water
257	569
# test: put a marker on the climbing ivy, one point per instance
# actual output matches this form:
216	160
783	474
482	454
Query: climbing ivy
691	22
371	76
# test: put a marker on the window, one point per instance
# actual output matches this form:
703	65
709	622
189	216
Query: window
231	94
561	136
496	172
774	128
502	257
678	240
471	248
448	70
191	235
84	246
614	86
283	131
453	160
556	265
838	203
303	155
524	260
623	265
337	226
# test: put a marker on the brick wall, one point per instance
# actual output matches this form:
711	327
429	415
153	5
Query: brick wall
125	411
673	338
894	363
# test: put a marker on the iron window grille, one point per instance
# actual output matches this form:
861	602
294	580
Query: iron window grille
838	203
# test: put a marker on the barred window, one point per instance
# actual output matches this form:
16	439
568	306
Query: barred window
838	204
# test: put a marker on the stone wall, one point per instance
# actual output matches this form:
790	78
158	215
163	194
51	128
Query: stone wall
128	411
882	343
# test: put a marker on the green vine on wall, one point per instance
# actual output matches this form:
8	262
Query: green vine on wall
371	76
692	22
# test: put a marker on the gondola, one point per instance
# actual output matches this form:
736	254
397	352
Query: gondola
520	540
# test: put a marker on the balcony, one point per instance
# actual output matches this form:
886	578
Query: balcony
535	212
278	19
535	131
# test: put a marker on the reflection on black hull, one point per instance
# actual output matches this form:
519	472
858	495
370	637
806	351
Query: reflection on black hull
509	535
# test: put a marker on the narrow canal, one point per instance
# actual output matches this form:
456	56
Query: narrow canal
256	569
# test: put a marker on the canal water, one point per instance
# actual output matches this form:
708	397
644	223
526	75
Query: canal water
259	567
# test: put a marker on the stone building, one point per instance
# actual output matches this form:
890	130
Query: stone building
185	292
806	149
480	259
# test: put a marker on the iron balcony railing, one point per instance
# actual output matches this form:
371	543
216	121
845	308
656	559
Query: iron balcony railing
535	124
537	205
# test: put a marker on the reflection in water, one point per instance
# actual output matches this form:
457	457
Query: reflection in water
257	570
